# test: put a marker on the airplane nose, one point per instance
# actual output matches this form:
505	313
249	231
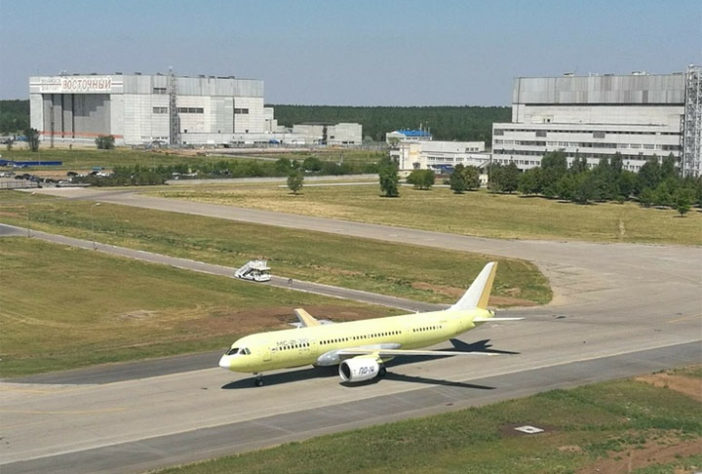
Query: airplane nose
225	362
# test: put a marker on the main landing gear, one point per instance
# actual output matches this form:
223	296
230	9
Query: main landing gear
258	381
382	372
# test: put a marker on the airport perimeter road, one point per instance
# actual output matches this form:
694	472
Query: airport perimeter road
620	310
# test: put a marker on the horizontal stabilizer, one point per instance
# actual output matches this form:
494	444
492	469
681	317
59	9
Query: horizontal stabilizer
307	320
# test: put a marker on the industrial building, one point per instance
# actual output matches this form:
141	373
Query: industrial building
638	115
329	133
438	155
140	109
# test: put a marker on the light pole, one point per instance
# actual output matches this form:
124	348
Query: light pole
92	224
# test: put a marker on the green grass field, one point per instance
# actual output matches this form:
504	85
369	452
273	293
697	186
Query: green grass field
401	270
474	213
596	428
64	308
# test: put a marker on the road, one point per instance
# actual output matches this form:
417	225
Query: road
619	310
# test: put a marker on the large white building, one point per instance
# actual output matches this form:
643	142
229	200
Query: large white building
596	116
140	109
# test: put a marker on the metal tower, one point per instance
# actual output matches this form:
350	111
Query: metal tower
173	119
692	123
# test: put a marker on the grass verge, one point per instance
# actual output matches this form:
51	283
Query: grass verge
401	270
474	213
607	427
65	308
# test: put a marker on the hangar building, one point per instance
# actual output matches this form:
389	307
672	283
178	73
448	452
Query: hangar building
138	109
596	116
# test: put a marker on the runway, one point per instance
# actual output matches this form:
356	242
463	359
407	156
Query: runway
619	310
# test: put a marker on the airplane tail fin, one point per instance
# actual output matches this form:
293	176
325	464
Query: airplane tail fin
479	292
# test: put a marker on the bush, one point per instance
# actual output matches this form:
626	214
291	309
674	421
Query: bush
295	180
105	142
422	179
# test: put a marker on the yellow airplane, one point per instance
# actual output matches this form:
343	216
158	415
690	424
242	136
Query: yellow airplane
360	348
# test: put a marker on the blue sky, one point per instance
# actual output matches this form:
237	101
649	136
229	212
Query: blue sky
356	52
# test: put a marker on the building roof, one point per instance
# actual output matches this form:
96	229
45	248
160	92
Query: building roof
414	133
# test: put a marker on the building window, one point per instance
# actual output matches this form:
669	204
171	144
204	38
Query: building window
241	111
160	110
541	133
191	110
160	90
598	134
498	131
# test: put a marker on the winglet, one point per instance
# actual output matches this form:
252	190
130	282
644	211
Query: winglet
306	319
479	292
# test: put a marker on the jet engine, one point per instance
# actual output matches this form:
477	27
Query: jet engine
359	369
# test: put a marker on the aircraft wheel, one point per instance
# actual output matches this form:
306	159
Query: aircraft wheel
258	382
382	372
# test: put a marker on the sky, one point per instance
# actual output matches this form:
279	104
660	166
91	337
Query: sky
360	52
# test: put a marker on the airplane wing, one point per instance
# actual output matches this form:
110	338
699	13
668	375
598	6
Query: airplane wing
307	320
406	352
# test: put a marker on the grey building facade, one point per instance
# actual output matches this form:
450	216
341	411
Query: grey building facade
638	115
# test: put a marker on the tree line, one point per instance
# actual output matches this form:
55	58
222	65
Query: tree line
466	123
14	116
139	175
658	182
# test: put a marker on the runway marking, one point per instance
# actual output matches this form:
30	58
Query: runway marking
685	318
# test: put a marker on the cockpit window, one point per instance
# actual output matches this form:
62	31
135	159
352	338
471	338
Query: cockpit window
245	351
233	351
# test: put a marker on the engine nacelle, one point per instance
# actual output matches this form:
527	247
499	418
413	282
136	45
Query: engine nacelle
359	369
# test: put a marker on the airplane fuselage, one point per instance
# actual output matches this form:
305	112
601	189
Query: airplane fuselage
316	345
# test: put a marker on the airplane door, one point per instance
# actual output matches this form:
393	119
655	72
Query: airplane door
267	354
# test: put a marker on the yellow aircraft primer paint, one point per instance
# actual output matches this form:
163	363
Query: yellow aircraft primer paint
374	340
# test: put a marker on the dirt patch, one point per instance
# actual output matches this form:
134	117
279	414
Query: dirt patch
570	448
690	386
653	452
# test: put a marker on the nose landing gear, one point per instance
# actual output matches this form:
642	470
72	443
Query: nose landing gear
258	381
